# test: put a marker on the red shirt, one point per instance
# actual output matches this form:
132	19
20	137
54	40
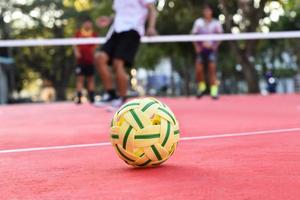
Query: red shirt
86	50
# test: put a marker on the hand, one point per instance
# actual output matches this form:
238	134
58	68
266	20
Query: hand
77	54
151	31
215	48
103	21
207	45
198	49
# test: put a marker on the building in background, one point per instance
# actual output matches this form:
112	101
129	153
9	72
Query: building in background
6	75
3	86
297	81
161	81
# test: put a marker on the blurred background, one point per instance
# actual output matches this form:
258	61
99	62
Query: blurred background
43	74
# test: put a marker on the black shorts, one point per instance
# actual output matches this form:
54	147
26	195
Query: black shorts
123	46
207	55
85	70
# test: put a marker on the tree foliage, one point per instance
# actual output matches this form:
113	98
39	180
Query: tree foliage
59	19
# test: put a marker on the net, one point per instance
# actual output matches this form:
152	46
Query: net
155	39
43	69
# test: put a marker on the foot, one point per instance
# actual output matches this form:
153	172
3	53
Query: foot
77	101
78	96
105	100
215	97
117	103
91	97
214	92
200	94
201	89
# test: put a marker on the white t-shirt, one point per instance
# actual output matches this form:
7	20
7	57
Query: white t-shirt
203	27
131	14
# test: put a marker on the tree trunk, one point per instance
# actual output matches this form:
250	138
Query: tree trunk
251	76
186	76
172	77
63	76
62	67
243	53
248	68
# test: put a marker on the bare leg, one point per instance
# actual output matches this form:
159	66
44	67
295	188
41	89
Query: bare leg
103	70
91	88
90	83
200	79
79	83
199	72
212	73
79	87
121	77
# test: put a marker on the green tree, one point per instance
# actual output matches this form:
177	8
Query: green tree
253	16
59	19
44	19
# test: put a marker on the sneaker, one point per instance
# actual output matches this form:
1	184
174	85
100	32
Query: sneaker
215	97
200	94
77	101
201	89
214	92
116	104
91	96
105	100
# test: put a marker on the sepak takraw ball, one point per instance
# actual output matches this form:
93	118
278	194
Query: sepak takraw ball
144	132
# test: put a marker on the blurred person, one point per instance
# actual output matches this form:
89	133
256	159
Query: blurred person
297	81
85	60
128	25
271	82
206	51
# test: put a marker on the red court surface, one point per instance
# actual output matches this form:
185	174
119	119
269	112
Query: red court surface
252	151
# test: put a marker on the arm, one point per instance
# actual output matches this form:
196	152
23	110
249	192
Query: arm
151	30
195	44
219	31
104	21
197	47
76	49
95	46
76	52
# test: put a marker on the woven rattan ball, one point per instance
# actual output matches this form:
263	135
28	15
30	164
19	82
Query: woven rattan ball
144	132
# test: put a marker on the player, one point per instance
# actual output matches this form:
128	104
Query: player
207	51
85	60
122	45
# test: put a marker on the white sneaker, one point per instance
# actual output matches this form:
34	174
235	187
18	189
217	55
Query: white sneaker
106	99
117	103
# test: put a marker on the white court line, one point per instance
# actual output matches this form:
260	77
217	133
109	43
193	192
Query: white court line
241	134
228	135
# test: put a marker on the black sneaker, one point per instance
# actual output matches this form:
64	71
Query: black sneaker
91	97
77	101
